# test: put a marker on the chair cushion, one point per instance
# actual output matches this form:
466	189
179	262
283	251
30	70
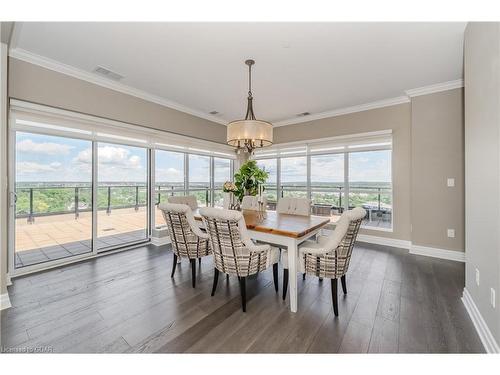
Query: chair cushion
294	206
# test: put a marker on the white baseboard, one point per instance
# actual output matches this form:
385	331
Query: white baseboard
160	241
4	301
434	252
457	256
489	342
392	242
8	280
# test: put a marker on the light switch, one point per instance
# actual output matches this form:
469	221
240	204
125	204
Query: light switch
492	297
477	277
451	182
451	233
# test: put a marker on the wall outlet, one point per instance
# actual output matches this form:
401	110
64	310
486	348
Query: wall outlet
451	182
451	233
477	277
492	297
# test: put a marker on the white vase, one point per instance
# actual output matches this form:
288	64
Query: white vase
226	200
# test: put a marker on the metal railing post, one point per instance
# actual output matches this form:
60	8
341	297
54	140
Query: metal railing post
158	199
379	200
340	198
137	198
77	214
31	218
206	197
108	209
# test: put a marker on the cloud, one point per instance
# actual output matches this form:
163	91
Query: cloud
47	148
111	156
169	175
25	167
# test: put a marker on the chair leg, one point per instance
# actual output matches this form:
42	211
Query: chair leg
285	282
216	279
193	272
320	279
344	285
275	276
227	276
174	264
303	276
334	297
243	290
199	261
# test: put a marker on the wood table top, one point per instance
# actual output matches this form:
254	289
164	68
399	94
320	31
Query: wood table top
272	222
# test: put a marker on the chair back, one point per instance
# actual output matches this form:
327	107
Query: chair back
252	203
294	206
229	241
190	200
340	243
185	235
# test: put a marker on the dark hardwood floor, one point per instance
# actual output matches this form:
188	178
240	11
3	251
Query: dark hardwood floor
127	302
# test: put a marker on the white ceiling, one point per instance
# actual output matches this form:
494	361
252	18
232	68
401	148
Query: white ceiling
313	67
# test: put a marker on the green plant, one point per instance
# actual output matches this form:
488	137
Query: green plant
248	179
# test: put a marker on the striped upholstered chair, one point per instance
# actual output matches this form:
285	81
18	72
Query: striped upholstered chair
329	256
234	251
188	240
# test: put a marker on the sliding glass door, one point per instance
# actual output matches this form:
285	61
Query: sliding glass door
122	195
53	199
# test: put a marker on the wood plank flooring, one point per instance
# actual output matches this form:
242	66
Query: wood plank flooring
127	302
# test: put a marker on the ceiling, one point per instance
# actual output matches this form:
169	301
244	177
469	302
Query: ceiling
300	67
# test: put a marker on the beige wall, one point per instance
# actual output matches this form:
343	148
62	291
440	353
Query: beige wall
397	118
428	147
437	153
482	167
43	86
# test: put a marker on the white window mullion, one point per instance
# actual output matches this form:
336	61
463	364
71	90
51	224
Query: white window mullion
346	181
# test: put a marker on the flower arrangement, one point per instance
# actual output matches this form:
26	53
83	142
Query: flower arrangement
229	187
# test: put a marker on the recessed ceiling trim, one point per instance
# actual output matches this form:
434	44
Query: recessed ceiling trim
438	87
345	111
56	66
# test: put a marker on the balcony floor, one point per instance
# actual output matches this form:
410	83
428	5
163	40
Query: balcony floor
60	236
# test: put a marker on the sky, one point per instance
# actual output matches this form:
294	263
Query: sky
45	158
367	166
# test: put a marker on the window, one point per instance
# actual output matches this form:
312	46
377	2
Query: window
271	191
169	179
294	177
199	178
222	173
81	183
53	209
336	174
327	184
122	195
370	186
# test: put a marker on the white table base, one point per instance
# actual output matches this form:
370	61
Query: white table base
292	246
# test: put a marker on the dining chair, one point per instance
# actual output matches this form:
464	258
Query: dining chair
190	200
329	256
234	252
188	240
250	202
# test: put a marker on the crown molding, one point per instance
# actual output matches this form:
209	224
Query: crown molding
21	54
438	87
344	111
56	66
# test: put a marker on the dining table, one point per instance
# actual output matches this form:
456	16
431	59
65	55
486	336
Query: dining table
284	231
